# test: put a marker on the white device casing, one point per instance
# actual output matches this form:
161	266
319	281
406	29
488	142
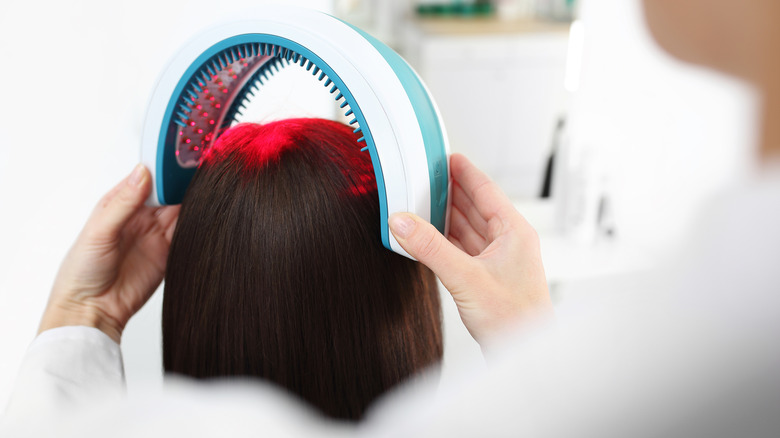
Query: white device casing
372	82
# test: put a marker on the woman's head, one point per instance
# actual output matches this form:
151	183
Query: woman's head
276	270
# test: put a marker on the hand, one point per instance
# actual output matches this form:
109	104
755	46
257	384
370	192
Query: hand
117	262
491	264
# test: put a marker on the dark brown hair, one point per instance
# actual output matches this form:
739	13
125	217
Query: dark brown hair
276	270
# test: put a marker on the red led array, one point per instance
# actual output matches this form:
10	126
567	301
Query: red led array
202	114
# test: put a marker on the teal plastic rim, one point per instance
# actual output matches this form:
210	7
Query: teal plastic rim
431	130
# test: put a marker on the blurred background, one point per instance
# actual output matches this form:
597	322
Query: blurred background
607	146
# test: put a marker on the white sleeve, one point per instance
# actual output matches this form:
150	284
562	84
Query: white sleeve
64	368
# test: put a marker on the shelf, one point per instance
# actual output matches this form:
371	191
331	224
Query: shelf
468	26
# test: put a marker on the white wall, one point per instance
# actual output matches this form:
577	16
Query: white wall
660	137
76	76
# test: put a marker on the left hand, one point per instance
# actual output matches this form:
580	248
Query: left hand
117	262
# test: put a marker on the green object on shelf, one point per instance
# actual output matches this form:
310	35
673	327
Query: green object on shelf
455	8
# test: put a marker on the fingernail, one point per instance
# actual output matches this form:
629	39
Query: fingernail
402	225
137	175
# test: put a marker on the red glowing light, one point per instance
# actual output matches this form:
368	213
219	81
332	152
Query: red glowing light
218	106
195	148
205	114
206	91
200	131
192	123
187	140
260	144
235	76
224	90
199	106
246	64
219	83
181	132
211	122
177	153
211	98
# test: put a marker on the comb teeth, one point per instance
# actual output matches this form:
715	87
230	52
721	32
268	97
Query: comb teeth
209	92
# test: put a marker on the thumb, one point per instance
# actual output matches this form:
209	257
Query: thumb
425	243
119	205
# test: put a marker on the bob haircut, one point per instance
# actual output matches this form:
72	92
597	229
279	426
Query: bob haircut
276	270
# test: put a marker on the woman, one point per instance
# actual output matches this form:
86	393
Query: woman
260	283
720	377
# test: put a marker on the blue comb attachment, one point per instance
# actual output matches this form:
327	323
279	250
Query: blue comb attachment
248	64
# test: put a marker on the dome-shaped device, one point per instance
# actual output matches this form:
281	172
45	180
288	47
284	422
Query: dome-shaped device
211	78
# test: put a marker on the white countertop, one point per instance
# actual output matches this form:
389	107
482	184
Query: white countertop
568	260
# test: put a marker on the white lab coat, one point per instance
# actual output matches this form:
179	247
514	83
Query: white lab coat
697	356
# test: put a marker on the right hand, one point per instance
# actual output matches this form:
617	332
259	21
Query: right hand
491	264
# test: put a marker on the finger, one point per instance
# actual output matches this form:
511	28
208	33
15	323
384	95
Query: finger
462	202
110	195
167	217
425	243
171	229
168	214
119	205
461	229
456	242
487	197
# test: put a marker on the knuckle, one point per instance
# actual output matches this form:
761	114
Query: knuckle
104	201
523	229
428	245
530	234
126	196
486	185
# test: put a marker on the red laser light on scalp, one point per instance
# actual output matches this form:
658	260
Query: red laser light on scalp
258	145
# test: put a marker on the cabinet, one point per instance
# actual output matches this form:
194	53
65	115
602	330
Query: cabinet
500	88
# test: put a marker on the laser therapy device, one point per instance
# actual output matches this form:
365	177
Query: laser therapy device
217	73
